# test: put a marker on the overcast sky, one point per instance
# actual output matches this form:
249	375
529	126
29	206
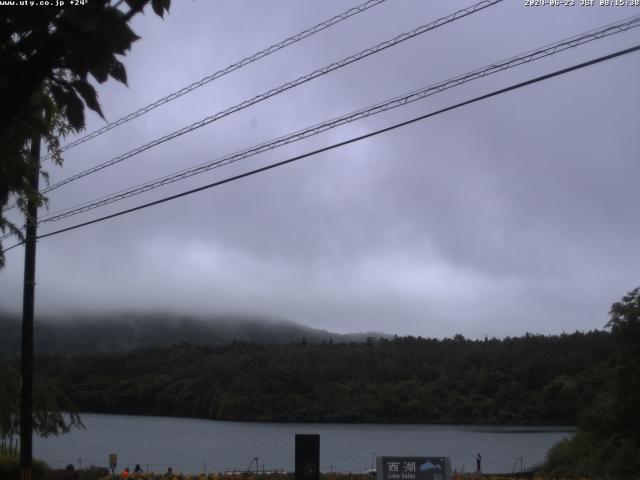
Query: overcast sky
518	214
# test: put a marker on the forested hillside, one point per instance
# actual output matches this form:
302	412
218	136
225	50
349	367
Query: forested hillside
527	380
102	333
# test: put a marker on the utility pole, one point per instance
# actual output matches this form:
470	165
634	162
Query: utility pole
26	392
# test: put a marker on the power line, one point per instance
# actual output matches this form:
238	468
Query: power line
346	142
532	55
286	86
13	246
220	73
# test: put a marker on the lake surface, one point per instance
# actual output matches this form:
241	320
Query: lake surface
192	445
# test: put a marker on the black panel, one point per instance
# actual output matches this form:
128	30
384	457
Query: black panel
307	457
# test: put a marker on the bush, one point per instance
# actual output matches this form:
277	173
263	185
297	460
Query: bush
10	468
587	455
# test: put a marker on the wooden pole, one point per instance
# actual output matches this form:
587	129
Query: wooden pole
28	296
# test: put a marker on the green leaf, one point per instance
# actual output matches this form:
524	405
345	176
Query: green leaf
134	4
58	95
81	19
114	28
117	71
68	102
74	110
158	7
88	94
100	71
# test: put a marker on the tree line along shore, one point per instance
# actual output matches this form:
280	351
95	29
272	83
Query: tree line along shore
533	379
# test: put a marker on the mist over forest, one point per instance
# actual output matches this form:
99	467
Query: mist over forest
123	332
258	370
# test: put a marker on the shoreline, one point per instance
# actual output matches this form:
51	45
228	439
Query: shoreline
500	427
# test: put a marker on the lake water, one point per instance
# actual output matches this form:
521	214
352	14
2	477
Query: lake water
192	445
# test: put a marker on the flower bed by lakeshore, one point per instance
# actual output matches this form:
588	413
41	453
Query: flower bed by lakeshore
291	476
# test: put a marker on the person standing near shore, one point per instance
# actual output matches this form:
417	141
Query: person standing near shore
478	463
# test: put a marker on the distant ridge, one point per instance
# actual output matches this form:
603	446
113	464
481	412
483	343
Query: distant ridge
124	332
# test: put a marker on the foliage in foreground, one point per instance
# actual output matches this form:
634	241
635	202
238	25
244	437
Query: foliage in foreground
49	403
588	456
10	466
607	443
47	56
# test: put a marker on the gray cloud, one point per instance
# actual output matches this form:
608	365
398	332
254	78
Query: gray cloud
515	214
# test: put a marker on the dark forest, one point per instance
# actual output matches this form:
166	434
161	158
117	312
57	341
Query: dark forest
527	380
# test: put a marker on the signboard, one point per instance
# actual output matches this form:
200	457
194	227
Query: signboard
113	461
413	468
